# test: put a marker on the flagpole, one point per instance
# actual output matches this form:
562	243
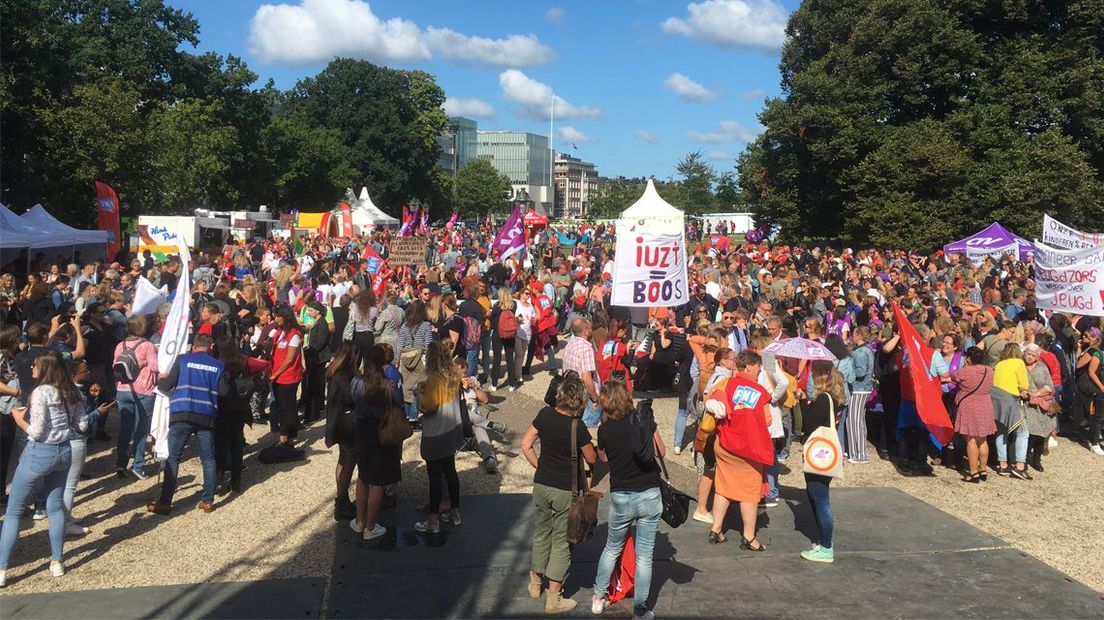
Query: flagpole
552	159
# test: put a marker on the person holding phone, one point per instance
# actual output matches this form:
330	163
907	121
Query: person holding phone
54	404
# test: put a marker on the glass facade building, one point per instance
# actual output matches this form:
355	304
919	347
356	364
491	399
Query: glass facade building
458	144
522	156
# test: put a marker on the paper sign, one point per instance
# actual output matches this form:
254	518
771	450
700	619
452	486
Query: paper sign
408	251
649	267
977	255
147	298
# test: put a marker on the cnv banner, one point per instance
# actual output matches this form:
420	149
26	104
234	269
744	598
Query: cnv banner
649	267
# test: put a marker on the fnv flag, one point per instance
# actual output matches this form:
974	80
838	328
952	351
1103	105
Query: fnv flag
511	237
108	216
929	396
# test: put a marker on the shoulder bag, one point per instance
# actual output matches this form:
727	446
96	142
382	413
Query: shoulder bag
582	516
822	453
676	504
394	428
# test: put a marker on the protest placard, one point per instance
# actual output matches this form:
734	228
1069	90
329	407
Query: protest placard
649	267
1059	235
1069	280
408	251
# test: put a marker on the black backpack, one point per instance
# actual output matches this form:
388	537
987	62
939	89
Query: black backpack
642	429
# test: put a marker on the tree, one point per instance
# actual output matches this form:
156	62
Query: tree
313	164
912	122
390	120
727	194
480	189
614	196
695	188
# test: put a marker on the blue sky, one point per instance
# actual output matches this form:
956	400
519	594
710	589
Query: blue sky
638	84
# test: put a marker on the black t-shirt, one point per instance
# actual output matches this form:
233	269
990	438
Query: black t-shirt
625	473
472	309
554	461
454	324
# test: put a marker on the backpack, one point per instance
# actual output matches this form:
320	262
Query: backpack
472	331
507	324
641	435
126	366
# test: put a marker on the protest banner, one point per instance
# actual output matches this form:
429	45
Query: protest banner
147	298
407	251
1058	235
174	342
1069	280
649	267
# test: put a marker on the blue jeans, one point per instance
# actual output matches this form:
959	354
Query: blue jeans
772	471
1020	446
411	410
485	355
592	414
45	465
626	508
135	414
473	361
179	432
680	426
816	487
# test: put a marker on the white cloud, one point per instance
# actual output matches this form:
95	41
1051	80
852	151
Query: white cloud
727	131
755	94
315	31
733	23
554	14
568	133
719	155
456	106
535	98
687	89
516	50
645	135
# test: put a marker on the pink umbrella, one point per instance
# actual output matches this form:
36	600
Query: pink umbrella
800	348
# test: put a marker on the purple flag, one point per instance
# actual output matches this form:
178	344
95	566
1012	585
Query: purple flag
511	237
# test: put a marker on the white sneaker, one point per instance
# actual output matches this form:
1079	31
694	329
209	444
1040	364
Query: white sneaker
492	388
1097	450
598	604
56	569
72	529
38	515
375	532
513	388
678	450
706	518
647	615
3	578
427	527
356	527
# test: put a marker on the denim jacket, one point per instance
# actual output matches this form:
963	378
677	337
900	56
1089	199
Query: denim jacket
86	421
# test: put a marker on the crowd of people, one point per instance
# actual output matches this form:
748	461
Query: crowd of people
290	332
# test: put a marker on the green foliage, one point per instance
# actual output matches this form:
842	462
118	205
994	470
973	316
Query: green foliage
614	196
481	188
108	90
915	122
694	192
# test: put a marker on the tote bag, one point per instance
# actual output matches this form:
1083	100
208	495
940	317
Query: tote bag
822	452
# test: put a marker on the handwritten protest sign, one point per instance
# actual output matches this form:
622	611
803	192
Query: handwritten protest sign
1059	235
1070	280
408	251
649	267
978	255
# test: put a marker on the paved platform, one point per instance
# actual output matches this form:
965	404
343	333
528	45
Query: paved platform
896	557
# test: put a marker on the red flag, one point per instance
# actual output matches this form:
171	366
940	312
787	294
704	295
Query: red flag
108	216
346	220
623	579
928	395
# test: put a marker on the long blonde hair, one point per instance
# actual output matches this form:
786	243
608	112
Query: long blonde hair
438	360
830	383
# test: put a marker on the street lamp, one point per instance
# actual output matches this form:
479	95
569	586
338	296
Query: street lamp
522	199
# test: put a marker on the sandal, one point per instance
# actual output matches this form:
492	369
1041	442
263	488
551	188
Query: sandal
983	476
746	544
972	478
716	539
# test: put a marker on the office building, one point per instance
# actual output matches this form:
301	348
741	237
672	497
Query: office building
576	184
525	158
458	144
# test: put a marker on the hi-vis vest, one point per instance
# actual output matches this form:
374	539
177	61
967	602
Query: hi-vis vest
197	385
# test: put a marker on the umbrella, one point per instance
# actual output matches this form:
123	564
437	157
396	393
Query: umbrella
800	348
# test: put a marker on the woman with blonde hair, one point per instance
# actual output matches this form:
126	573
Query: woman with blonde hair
442	434
828	401
1010	384
555	467
503	343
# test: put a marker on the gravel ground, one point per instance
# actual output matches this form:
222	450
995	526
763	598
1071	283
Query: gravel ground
281	524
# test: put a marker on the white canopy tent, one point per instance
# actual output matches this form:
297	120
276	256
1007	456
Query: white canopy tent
39	217
366	214
652	212
42	232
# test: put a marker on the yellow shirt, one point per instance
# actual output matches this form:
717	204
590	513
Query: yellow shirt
436	393
1010	375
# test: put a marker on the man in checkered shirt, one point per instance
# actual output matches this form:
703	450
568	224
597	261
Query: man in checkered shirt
579	356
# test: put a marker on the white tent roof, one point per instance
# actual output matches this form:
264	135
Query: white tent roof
38	217
13	233
366	212
651	209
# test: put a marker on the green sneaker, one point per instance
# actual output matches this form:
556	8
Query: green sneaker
819	554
